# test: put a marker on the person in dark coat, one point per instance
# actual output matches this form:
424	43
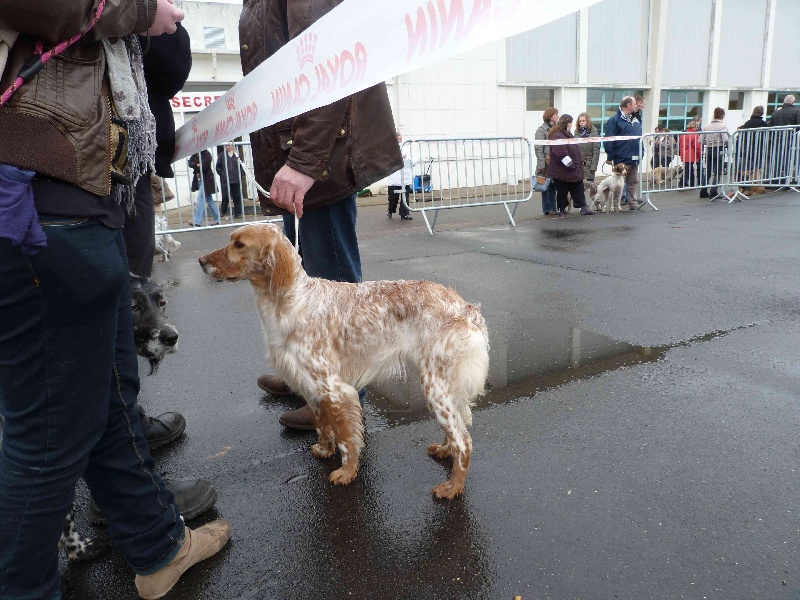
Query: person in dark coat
565	169
231	174
751	144
625	123
783	141
203	174
166	63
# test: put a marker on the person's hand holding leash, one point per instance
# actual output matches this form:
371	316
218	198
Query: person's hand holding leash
289	187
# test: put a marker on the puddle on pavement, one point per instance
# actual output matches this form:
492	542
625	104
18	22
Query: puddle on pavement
545	356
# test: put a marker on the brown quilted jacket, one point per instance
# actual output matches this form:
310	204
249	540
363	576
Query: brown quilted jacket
58	123
344	146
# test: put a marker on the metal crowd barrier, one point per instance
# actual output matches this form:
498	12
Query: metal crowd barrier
766	157
178	214
730	164
468	172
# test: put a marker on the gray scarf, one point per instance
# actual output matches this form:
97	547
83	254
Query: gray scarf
129	95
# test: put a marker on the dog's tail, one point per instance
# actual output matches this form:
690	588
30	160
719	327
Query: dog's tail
474	368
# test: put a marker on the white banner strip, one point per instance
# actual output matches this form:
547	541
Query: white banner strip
587	140
354	47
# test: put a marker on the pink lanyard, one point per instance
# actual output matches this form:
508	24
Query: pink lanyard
36	62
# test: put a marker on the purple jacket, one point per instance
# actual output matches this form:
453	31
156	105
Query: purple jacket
556	169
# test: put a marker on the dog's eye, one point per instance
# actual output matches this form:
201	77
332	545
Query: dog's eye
238	244
135	306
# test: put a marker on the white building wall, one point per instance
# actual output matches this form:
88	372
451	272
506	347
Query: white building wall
741	55
688	43
785	67
618	34
482	92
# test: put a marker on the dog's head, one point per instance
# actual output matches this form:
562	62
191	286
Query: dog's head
620	169
259	253
155	338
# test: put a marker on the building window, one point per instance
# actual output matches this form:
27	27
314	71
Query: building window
775	100
214	38
602	104
736	101
539	98
678	107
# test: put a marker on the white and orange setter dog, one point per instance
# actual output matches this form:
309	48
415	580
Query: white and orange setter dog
328	339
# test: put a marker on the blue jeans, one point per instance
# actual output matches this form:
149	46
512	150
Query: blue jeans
328	243
201	201
68	385
549	199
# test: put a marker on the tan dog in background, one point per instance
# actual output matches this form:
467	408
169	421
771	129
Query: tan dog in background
328	339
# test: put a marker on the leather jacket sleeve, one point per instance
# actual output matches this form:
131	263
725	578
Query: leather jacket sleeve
55	21
313	136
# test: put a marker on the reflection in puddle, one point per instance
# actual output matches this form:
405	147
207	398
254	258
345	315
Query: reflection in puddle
524	364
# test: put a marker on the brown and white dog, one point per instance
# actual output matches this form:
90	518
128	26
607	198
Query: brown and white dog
609	191
328	339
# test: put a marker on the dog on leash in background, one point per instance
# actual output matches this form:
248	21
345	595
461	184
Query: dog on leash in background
328	339
665	176
154	338
609	192
165	243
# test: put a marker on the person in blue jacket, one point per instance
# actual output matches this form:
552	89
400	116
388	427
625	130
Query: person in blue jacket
625	122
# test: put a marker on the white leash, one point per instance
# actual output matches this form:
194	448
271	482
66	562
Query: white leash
252	178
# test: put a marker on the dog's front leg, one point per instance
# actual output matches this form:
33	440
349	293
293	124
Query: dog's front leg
341	412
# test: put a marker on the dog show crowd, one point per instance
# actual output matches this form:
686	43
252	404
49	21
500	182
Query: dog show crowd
698	157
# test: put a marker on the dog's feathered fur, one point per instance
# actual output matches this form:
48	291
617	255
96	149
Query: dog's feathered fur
609	191
328	339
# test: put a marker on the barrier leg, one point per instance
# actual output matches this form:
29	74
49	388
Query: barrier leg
510	214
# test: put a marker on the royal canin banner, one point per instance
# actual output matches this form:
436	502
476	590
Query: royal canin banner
347	51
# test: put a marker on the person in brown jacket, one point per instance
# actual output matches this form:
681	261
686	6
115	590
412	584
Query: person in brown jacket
315	163
565	168
75	138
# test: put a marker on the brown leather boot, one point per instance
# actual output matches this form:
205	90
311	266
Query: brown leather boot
198	545
274	385
301	419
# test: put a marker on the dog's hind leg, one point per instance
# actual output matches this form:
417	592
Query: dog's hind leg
77	547
457	444
326	442
341	411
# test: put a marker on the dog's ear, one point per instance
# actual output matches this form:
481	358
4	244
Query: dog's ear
280	268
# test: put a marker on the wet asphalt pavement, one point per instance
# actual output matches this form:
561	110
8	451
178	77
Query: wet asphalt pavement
640	438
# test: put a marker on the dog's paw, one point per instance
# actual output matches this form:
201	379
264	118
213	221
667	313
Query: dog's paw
320	451
342	476
447	491
440	450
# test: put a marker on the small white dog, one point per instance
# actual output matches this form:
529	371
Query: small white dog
165	243
609	192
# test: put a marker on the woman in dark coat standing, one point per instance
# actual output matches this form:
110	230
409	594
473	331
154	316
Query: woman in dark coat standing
205	192
751	145
565	169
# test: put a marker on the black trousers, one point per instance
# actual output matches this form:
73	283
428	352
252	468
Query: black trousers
140	230
394	199
566	188
235	199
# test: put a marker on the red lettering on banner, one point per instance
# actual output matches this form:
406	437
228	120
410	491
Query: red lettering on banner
418	35
343	69
186	103
361	61
428	31
434	25
450	19
208	100
197	102
223	129
347	59
175	102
